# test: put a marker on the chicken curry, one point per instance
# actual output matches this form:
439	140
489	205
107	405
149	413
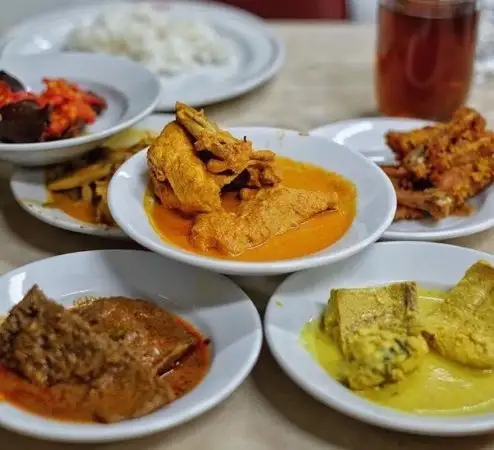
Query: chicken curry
213	194
310	237
103	360
426	351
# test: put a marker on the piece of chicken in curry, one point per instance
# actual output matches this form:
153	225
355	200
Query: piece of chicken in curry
193	163
462	327
378	332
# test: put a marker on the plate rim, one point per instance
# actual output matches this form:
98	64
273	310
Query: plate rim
251	268
327	131
73	435
277	52
318	131
366	411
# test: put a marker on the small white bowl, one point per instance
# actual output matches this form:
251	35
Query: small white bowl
303	297
130	90
375	207
211	302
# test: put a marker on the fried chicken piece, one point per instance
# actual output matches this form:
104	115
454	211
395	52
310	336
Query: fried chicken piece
465	121
270	212
172	158
402	143
458	137
398	176
232	154
407	213
463	210
466	181
447	155
393	171
433	201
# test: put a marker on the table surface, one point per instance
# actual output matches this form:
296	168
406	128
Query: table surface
327	76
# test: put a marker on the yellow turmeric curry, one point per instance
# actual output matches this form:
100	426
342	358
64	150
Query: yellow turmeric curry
423	351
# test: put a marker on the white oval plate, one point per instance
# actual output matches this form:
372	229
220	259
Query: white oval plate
214	304
375	206
303	296
258	53
367	136
130	98
29	190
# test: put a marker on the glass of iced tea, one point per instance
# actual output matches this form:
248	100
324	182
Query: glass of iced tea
425	56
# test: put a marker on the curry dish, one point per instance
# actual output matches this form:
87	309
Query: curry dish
212	193
79	187
421	351
102	360
439	168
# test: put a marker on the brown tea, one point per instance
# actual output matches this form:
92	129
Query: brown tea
425	56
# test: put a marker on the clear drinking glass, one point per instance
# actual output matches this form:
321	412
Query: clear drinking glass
425	56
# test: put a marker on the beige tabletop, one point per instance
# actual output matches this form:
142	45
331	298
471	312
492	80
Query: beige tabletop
327	76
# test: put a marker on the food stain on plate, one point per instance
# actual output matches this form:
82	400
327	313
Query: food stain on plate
423	351
213	194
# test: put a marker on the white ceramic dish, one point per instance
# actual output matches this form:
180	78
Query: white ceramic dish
211	302
302	297
375	209
367	136
258	53
29	190
130	90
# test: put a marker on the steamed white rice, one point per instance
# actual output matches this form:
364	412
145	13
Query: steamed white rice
144	34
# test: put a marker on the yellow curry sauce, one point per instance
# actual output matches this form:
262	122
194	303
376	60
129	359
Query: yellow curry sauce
312	236
438	387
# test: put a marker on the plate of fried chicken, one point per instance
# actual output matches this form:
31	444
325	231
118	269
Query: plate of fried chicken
225	194
442	172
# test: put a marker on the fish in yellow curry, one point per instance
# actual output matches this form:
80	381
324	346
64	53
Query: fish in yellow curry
422	351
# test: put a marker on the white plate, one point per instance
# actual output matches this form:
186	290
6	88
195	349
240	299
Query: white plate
303	296
367	136
211	302
375	207
130	98
29	190
257	52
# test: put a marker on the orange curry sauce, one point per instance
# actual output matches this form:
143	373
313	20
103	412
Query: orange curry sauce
312	236
56	402
76	209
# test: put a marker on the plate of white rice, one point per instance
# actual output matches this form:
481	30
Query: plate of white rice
203	52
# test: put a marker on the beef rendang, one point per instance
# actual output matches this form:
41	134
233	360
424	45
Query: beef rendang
103	360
